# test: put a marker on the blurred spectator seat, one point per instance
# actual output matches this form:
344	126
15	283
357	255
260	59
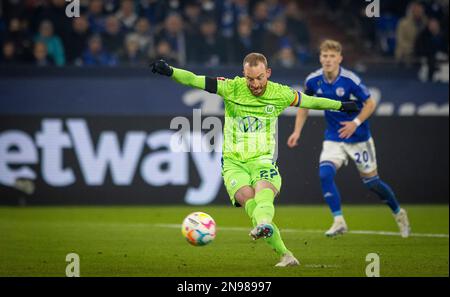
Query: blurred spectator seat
386	27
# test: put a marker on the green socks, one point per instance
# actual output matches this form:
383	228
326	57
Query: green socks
250	206
276	242
261	209
264	210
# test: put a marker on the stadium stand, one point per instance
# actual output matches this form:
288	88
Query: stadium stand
212	32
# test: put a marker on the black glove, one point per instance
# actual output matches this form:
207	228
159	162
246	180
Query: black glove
161	67
349	106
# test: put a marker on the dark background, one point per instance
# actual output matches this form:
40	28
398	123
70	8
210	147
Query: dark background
412	154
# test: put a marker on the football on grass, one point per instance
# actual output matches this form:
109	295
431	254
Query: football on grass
199	228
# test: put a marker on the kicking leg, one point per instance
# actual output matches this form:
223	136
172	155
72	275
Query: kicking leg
245	196
275	240
259	207
263	214
264	211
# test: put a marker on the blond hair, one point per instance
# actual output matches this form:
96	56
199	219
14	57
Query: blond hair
253	59
331	45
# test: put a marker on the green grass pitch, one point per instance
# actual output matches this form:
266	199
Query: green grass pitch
147	241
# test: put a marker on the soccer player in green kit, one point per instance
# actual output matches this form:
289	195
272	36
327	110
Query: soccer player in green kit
252	106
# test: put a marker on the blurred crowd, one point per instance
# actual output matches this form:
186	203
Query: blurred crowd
127	32
412	32
209	32
423	34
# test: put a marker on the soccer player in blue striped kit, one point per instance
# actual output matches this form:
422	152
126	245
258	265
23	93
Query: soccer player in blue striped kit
346	136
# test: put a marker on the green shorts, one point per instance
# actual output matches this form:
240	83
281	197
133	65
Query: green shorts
237	174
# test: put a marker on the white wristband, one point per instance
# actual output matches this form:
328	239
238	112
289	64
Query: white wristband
357	122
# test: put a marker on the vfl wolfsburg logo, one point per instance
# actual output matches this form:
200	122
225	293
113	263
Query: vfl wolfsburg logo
250	124
269	109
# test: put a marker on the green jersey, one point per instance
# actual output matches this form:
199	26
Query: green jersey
250	128
251	121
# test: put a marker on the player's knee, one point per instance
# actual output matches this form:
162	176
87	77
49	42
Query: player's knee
263	185
327	171
244	194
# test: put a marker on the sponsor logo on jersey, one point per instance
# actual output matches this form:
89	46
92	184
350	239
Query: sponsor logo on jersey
250	124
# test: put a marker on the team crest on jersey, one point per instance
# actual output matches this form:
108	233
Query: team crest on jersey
319	91
269	109
250	124
340	92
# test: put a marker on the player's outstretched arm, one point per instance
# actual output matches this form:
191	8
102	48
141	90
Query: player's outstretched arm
320	103
184	77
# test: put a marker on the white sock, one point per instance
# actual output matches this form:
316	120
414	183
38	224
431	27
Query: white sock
339	218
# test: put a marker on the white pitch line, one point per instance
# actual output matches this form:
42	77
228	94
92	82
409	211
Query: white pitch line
321	266
364	232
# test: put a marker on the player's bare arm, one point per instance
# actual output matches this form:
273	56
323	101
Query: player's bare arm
300	119
348	128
